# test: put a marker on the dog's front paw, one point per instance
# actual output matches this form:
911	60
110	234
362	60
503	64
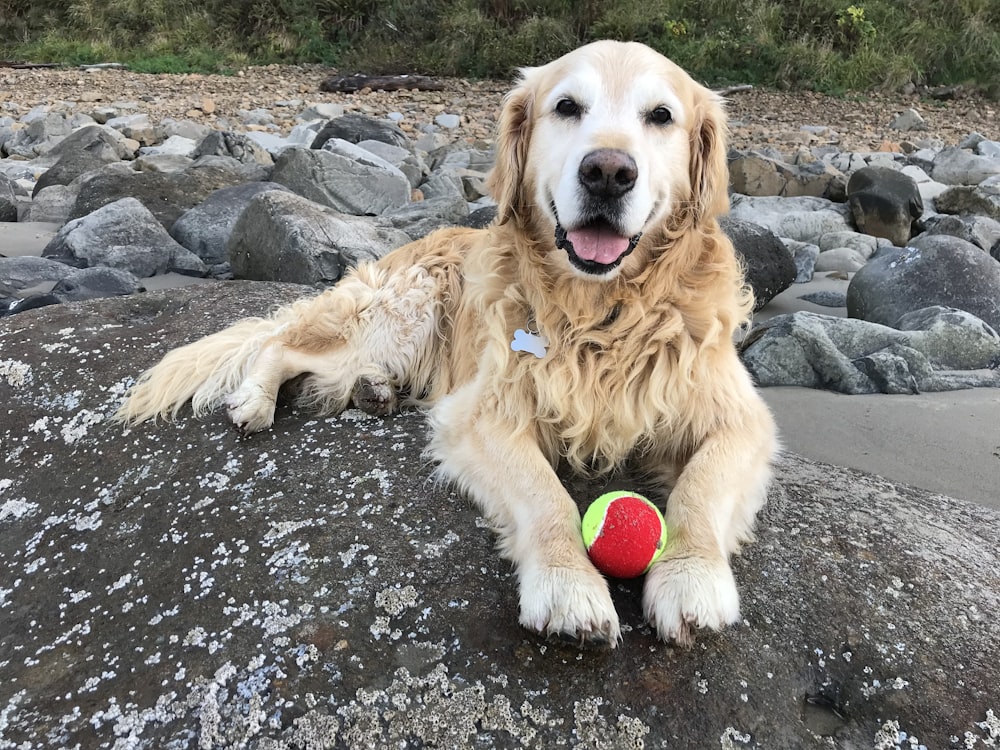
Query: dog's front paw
570	604
685	593
250	408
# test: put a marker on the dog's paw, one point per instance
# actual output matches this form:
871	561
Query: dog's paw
685	593
374	395
570	604
250	408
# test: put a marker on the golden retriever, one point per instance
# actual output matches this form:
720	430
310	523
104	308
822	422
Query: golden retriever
591	323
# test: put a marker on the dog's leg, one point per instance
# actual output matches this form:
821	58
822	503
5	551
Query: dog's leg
709	513
507	475
363	339
374	334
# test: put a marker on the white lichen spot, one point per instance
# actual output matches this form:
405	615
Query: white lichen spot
347	557
15	373
195	636
79	425
15	510
991	726
731	736
394	601
88	523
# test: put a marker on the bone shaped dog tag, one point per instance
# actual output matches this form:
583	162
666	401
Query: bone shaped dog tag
533	343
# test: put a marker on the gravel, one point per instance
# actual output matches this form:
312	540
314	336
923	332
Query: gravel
758	117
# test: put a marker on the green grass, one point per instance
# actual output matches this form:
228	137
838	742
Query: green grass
828	45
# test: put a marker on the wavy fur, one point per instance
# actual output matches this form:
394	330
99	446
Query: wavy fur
641	367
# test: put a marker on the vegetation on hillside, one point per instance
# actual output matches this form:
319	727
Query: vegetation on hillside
829	45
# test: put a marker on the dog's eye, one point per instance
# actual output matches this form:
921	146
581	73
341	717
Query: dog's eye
567	108
660	116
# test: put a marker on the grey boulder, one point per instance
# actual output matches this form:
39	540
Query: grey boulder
166	194
123	235
937	349
355	128
84	150
313	586
932	270
981	231
234	145
956	166
353	184
25	271
285	237
981	199
420	218
206	228
803	219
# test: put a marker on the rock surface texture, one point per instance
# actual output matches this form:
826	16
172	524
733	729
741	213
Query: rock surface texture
177	585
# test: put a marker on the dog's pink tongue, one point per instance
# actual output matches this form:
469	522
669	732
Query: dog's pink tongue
598	244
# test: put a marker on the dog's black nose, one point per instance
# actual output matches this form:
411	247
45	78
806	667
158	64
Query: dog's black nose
608	173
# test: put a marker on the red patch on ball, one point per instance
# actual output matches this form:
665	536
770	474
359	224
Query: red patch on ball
624	534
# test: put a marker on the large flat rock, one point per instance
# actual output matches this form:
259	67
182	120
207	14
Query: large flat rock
179	586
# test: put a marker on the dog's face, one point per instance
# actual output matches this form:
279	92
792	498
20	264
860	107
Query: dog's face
605	144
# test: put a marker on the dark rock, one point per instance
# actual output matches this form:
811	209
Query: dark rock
768	267
166	194
31	302
934	270
481	217
285	237
83	150
206	228
941	349
312	586
884	203
355	128
123	235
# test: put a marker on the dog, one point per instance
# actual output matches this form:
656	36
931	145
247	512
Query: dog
591	324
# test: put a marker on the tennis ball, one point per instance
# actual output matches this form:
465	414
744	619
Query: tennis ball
624	534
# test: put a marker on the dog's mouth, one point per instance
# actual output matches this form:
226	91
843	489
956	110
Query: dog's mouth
595	248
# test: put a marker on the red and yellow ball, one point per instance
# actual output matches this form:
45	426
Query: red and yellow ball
624	534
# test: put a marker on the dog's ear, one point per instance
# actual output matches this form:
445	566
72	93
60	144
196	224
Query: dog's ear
506	180
709	166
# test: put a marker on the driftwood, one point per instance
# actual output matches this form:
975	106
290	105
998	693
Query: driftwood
351	84
26	65
739	89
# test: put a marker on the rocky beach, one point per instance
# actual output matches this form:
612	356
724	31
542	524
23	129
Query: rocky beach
181	586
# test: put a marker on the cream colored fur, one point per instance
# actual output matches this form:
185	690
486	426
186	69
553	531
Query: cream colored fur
641	368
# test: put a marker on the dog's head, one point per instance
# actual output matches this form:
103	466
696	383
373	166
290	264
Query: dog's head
604	144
